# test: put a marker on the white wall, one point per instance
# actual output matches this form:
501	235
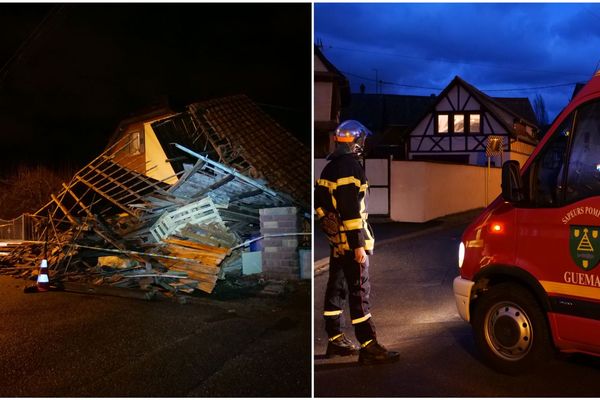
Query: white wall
422	191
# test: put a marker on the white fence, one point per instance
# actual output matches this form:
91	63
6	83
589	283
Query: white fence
420	191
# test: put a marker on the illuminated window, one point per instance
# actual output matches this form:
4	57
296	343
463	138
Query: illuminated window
442	120
474	123
135	144
459	123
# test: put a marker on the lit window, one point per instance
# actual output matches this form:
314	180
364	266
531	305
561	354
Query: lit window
135	144
474	123
459	123
443	123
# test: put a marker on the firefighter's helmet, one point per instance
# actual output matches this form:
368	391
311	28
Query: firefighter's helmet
350	131
354	134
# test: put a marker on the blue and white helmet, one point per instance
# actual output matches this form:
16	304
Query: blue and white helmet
351	131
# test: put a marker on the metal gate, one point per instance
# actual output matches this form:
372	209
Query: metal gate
378	174
25	227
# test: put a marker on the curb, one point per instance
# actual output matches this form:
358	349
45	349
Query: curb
321	266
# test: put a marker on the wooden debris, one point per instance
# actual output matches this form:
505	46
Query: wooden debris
112	229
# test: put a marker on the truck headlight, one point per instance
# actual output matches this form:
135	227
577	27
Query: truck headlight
461	254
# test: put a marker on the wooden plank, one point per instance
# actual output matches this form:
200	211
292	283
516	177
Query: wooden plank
214	186
78	200
64	210
208	260
191	263
198	165
195	274
194	245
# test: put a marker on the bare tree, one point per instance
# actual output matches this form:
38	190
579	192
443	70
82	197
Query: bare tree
539	107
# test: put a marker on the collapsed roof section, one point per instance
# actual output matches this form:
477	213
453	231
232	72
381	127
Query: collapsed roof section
235	132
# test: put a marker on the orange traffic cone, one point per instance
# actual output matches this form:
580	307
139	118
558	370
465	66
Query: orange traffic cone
43	282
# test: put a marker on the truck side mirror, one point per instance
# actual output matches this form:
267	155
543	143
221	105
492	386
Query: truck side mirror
512	183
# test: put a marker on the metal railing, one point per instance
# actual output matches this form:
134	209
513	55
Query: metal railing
25	227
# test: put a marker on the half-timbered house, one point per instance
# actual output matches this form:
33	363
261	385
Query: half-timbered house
458	126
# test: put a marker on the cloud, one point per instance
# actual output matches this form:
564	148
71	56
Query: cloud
493	46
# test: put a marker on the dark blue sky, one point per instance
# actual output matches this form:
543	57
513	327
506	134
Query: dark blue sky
493	46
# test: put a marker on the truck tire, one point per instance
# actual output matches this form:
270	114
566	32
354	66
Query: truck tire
510	329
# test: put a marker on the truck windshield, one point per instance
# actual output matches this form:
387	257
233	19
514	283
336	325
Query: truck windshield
548	169
583	178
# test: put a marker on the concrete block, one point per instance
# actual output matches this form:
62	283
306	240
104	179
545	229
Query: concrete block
289	226
269	225
278	211
290	243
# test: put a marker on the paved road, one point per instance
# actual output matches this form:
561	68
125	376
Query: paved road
413	308
66	344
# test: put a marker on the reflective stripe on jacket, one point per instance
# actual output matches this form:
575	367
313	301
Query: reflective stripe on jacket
342	188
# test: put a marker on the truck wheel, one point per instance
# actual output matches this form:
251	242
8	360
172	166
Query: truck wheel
510	329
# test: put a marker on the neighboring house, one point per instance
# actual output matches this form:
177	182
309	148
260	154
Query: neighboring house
390	118
331	93
457	126
136	146
232	130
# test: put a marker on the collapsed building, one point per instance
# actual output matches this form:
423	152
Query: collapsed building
178	201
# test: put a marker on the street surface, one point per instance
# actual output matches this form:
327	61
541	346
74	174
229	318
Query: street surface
62	344
414	312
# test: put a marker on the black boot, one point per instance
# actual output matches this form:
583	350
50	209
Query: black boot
374	353
341	346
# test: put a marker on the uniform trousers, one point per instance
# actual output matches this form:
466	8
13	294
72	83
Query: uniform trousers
348	278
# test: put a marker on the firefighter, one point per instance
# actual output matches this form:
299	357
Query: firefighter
340	205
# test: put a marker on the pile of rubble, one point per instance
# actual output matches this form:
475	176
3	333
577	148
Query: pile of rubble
112	225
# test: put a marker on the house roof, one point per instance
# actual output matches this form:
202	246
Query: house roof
381	111
274	154
515	107
333	74
521	106
376	111
147	115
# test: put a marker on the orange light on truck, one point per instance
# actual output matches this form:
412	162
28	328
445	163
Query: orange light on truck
497	228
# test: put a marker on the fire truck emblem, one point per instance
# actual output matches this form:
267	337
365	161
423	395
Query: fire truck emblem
585	246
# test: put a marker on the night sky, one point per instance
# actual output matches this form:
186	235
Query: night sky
492	46
72	72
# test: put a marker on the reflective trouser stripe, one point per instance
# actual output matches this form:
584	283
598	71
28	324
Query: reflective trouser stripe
332	313
331	339
365	344
361	319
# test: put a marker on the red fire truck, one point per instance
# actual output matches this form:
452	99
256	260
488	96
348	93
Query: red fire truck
529	278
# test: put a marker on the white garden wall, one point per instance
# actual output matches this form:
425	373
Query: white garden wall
422	191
